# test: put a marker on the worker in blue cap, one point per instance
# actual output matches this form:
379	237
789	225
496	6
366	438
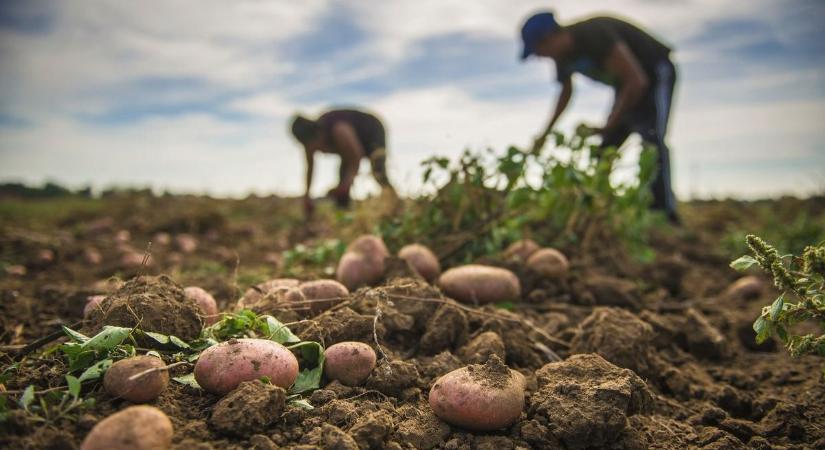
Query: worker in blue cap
633	63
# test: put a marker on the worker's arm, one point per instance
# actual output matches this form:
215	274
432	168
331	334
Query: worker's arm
346	142
633	82
561	105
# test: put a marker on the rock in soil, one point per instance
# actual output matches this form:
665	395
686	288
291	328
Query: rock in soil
250	408
585	401
155	304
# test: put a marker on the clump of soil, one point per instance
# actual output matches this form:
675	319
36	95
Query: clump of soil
482	347
150	303
618	336
584	401
248	409
493	373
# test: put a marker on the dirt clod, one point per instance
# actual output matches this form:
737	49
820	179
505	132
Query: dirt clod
250	408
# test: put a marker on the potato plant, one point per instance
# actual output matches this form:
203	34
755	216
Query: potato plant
801	282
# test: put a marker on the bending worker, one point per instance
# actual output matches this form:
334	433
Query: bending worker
352	135
634	64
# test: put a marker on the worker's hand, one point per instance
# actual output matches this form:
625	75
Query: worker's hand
585	130
309	206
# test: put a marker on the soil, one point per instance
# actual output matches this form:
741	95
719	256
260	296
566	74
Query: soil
619	355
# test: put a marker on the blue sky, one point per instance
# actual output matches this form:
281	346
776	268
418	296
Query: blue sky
195	96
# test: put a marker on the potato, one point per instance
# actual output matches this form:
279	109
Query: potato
372	247
205	301
140	390
475	283
422	259
134	428
186	243
92	302
363	262
351	363
320	290
747	287
521	250
549	263
222	367
479	397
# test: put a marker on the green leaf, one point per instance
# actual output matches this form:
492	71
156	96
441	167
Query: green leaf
777	306
109	338
312	366
74	385
188	380
301	403
762	328
27	398
96	371
743	263
74	335
278	332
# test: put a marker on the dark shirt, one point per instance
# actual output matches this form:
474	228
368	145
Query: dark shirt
594	39
367	127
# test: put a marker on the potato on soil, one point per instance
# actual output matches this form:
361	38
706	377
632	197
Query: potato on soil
205	302
144	389
521	250
224	366
549	262
351	363
134	428
92	302
255	294
363	262
479	397
422	259
747	287
475	283
332	290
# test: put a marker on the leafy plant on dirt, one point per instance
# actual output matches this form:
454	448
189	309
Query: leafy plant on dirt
324	255
558	196
801	281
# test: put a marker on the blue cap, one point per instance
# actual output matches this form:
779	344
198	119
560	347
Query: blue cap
536	27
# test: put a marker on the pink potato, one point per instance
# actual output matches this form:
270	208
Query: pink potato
521	250
134	428
205	301
351	363
479	397
117	383
186	243
92	302
372	247
222	367
747	287
479	284
330	290
549	263
422	259
363	263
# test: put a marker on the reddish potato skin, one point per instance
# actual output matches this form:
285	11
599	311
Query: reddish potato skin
363	262
92	302
372	247
521	250
460	400
475	283
134	428
549	262
207	303
747	287
322	289
422	259
221	368
144	389
351	363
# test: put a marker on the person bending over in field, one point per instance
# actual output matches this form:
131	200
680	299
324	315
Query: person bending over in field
634	64
351	134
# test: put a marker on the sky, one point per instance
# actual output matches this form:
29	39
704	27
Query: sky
195	96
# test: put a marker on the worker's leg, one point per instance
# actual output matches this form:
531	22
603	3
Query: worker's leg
615	138
378	162
663	198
